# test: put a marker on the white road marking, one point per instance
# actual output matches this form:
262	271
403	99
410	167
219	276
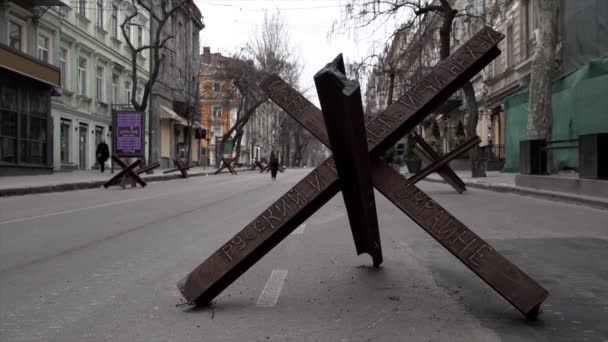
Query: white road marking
74	210
272	289
300	229
102	205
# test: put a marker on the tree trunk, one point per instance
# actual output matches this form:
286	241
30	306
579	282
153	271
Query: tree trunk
477	166
189	143
540	115
391	87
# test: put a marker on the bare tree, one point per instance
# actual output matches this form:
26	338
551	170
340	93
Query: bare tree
160	11
543	71
268	52
246	79
189	86
363	12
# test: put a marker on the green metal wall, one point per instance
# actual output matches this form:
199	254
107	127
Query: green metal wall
580	106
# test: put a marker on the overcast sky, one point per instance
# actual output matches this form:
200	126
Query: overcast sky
230	24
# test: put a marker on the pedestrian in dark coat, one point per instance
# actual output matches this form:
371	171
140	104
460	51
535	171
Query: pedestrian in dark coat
102	153
274	163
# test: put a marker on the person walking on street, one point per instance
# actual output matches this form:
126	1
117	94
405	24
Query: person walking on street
102	153
274	163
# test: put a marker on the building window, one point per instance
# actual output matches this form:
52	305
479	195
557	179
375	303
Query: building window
100	13
128	31
140	36
24	121
82	76
99	83
140	94
8	122
44	47
217	112
63	64
33	138
530	19
509	46
15	35
115	80
65	140
115	21
217	87
217	131
82	7
128	89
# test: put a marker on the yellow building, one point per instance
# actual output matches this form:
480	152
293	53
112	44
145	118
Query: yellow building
173	137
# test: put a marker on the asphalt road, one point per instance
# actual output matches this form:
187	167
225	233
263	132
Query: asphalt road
102	265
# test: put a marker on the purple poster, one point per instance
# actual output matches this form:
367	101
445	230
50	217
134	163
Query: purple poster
128	136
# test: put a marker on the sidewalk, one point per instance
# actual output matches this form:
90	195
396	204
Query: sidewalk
90	179
505	182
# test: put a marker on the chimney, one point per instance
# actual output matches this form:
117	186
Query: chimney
206	55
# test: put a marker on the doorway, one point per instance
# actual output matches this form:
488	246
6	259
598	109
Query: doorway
65	141
82	132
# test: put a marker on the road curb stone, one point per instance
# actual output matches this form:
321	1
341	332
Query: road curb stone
550	195
20	191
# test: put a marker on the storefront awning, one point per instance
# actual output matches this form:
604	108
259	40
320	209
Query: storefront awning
28	66
168	114
49	2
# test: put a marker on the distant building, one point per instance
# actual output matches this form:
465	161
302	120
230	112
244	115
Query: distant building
506	79
29	76
175	92
219	104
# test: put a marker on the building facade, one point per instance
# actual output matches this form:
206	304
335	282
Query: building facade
174	111
507	74
219	102
82	39
95	60
29	79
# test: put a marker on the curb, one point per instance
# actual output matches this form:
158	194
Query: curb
90	185
550	195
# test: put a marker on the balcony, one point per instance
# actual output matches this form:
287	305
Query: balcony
31	67
46	3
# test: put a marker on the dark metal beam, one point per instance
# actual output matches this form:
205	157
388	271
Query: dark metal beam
343	113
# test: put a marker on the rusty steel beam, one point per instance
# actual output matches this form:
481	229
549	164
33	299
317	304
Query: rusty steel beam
145	169
343	112
278	221
263	233
426	152
123	183
127	171
226	164
442	162
446	173
180	167
260	165
504	277
523	292
515	286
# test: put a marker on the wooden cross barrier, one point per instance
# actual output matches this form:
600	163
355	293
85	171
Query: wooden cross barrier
227	163
426	153
127	172
180	167
317	188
